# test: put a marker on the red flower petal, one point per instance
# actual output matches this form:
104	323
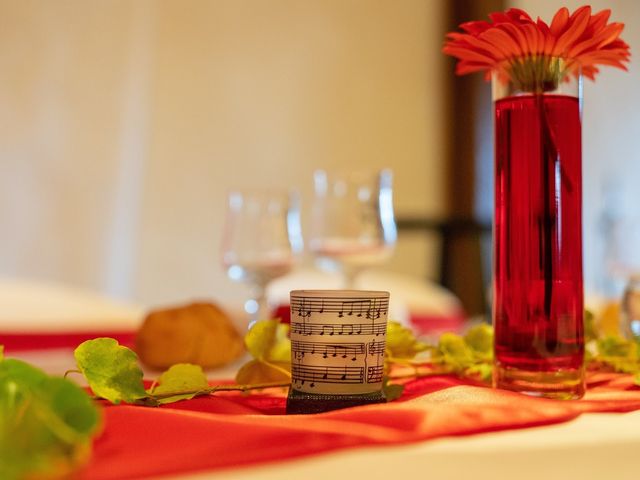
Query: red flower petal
597	22
577	24
501	41
467	67
531	35
484	47
605	37
499	17
468	54
475	28
610	33
543	27
581	39
518	37
518	15
559	21
580	12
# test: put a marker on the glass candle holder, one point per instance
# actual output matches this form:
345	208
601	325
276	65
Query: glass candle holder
337	349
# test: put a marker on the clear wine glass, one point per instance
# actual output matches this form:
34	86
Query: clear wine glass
353	226
261	237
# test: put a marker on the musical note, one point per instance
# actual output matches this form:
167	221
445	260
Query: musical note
319	374
370	308
304	308
374	374
328	328
376	348
344	350
300	306
346	329
352	306
307	329
379	329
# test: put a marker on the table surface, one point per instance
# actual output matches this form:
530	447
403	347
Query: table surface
591	446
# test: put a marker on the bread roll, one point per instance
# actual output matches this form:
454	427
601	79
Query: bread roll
199	333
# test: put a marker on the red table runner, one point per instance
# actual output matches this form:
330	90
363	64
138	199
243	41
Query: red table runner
20	341
231	430
15	341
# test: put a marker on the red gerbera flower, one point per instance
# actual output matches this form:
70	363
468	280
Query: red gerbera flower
513	45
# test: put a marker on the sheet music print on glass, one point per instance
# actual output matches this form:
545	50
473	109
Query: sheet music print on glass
338	341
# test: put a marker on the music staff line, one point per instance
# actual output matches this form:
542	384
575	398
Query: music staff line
350	375
374	374
343	350
369	308
307	329
376	348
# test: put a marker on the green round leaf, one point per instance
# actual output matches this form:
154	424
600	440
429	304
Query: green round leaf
401	342
268	340
182	381
480	339
46	423
111	370
258	371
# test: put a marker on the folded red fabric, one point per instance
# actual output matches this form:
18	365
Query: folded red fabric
231	430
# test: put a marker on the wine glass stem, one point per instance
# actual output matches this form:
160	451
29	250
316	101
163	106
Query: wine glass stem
261	310
350	275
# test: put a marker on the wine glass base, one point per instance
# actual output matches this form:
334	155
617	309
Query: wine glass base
559	384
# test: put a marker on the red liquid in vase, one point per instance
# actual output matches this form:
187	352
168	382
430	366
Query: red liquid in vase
538	290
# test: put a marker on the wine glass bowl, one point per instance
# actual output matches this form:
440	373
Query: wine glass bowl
261	237
353	224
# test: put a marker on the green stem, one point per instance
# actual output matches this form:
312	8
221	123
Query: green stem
549	216
416	374
222	388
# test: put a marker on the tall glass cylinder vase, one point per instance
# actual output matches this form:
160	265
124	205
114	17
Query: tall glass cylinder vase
538	288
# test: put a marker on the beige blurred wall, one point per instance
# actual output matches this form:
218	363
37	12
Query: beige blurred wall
124	123
62	109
